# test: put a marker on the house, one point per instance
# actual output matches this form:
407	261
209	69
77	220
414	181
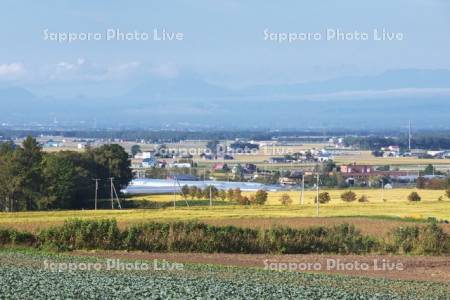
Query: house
362	173
52	144
226	157
250	168
82	146
356	169
277	160
324	157
180	165
435	154
206	156
220	167
149	162
146	154
293	178
262	175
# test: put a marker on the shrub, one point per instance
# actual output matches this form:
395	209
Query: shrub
363	199
348	196
82	234
14	237
429	239
200	195
414	197
185	191
244	200
285	199
222	195
147	237
261	197
198	237
237	194
230	195
324	197
193	192
346	239
342	239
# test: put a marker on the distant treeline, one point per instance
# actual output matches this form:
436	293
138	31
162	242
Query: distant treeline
31	179
431	141
180	135
197	237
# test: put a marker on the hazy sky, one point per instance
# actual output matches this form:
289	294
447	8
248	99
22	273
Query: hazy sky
223	41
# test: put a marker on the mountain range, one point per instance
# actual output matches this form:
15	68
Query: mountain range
386	100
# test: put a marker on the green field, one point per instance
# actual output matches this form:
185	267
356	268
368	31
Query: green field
24	276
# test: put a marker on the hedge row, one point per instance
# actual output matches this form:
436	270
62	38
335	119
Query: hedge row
198	237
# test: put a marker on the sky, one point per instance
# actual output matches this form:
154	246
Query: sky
223	42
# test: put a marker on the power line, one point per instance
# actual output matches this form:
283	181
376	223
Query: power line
113	192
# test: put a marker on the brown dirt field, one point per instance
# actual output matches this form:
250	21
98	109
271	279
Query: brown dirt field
422	268
376	227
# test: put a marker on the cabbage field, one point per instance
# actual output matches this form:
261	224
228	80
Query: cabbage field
22	276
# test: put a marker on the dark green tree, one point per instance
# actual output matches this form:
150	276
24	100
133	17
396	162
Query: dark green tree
29	163
10	181
135	149
67	181
112	161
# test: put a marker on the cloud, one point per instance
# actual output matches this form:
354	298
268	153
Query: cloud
376	94
82	69
67	66
165	71
120	70
10	71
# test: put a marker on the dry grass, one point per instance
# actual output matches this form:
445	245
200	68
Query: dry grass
397	206
374	196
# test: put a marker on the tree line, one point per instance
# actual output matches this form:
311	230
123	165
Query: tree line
31	179
232	195
429	141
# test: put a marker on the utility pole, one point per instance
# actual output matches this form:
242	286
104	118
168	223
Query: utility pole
382	190
174	192
112	192
318	202
210	196
96	193
302	195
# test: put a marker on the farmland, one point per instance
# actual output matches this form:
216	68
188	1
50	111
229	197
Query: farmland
398	196
23	275
261	157
234	237
396	206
